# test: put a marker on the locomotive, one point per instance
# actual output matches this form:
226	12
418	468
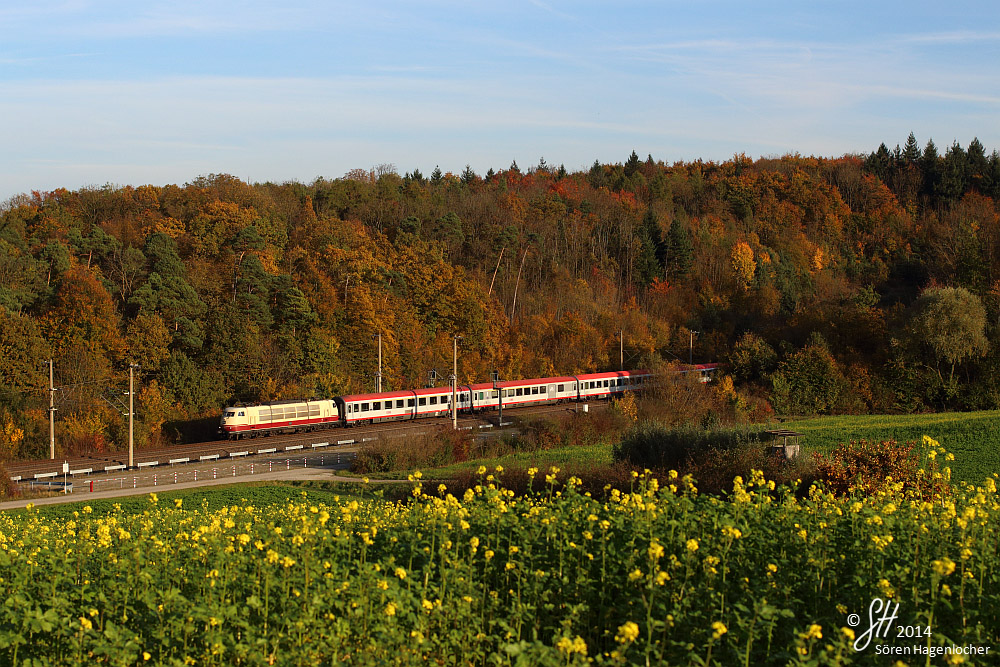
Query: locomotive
243	421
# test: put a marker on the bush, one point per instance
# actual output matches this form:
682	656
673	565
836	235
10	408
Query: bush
438	448
809	382
656	446
869	467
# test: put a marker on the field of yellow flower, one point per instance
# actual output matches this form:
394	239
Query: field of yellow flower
654	575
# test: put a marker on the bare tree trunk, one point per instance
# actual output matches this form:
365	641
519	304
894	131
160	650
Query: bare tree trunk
513	305
495	271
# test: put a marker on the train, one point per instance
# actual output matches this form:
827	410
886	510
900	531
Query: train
248	421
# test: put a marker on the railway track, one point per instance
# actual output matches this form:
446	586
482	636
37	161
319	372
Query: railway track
146	460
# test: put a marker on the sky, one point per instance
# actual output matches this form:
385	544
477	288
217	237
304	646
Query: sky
142	91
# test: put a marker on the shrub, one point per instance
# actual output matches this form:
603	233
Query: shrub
808	382
869	467
438	448
656	446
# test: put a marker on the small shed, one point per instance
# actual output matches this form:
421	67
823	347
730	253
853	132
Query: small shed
786	450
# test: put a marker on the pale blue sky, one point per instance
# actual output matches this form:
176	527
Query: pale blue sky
133	92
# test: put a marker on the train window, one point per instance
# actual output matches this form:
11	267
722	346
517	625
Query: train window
494	394
560	388
445	399
399	403
607	383
241	414
409	402
364	407
520	391
423	400
534	390
377	405
434	400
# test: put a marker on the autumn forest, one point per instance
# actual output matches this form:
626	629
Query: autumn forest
859	284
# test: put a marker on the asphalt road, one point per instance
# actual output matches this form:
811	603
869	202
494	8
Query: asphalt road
327	473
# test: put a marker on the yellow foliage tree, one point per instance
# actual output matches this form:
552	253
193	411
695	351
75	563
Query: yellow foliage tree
743	263
10	437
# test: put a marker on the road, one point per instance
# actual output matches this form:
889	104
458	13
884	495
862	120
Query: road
326	473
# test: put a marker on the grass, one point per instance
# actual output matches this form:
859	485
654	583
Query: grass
576	456
260	494
973	437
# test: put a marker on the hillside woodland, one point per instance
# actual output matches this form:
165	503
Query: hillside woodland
858	284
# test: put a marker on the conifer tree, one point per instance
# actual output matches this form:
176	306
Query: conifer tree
911	151
678	250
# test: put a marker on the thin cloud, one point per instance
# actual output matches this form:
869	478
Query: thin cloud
952	37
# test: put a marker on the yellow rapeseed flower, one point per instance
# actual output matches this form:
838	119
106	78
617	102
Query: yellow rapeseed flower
627	633
692	545
718	629
944	567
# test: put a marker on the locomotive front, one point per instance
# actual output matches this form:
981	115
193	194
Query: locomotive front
233	422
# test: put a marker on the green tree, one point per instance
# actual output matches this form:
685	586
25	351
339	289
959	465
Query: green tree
189	386
911	151
174	300
751	358
951	322
678	250
954	174
978	166
649	261
930	168
808	382
632	165
22	351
